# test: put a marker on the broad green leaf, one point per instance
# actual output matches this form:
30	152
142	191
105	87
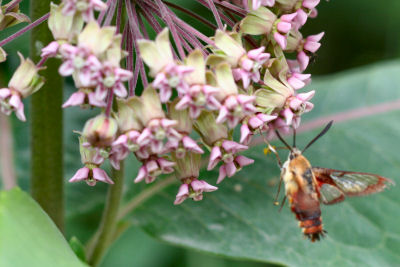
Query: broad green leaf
28	236
239	220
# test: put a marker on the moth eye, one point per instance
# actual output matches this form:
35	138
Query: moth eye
291	156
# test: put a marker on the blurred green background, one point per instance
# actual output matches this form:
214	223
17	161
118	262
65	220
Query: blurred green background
357	33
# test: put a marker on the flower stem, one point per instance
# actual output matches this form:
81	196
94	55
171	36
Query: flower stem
47	125
24	30
105	233
6	154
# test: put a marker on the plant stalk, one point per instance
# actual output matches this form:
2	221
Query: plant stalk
104	235
47	126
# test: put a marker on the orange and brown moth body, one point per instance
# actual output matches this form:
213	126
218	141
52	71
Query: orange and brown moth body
303	195
306	187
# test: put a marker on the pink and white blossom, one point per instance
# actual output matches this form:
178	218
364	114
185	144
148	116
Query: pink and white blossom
256	122
157	133
234	108
152	168
172	76
283	26
10	100
198	98
193	189
250	65
91	175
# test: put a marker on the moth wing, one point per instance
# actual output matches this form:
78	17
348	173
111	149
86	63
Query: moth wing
335	185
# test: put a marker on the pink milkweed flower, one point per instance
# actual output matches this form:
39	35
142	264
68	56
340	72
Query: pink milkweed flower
113	78
91	175
152	168
82	98
80	59
250	65
92	159
157	133
197	98
186	144
257	3
298	105
310	4
307	7
193	188
254	123
10	100
224	151
51	50
234	108
24	82
283	26
298	80
230	168
125	144
172	76
232	163
85	7
310	44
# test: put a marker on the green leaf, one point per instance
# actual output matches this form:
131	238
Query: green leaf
240	221
28	236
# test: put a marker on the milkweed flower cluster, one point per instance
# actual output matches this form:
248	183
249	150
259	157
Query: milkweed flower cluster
197	92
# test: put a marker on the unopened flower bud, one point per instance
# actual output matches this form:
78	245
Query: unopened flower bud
148	106
209	129
258	22
127	119
100	131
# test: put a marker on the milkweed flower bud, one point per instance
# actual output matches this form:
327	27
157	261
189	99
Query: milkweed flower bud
209	129
24	82
100	131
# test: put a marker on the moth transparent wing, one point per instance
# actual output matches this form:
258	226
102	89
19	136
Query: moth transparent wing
330	194
334	185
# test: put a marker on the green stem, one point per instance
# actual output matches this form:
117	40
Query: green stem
106	231
47	125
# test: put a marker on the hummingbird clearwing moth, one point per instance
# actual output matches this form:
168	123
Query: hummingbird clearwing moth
306	187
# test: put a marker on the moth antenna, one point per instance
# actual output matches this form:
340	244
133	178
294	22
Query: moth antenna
283	140
277	193
327	127
283	203
294	137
